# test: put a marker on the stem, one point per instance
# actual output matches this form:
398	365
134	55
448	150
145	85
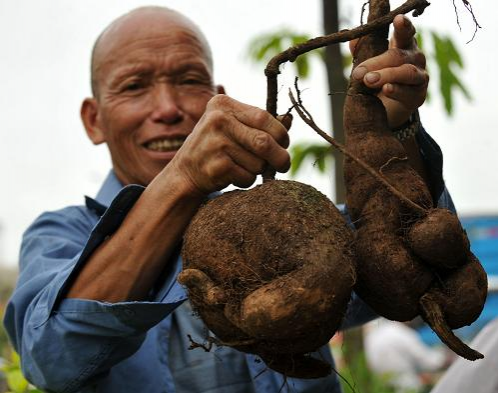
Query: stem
273	67
308	119
290	54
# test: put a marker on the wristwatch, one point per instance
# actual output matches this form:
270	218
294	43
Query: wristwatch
408	129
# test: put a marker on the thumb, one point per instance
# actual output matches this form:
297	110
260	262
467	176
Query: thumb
286	120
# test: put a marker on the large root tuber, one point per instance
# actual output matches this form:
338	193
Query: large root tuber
409	261
270	272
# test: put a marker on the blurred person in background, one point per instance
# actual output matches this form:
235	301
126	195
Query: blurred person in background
395	349
474	377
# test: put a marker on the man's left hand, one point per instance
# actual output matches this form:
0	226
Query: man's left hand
399	73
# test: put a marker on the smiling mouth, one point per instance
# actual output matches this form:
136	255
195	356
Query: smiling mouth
164	145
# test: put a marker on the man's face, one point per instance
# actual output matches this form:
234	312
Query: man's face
154	83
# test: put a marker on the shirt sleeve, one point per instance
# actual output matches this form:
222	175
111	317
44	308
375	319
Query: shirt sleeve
66	343
432	157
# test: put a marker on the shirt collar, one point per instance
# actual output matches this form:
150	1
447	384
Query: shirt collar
106	194
110	188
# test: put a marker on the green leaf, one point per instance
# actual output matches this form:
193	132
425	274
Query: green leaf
318	153
263	47
448	58
420	40
16	381
303	67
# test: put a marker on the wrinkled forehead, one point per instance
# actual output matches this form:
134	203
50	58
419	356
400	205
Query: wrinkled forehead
151	25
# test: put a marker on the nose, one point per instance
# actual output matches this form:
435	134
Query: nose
166	108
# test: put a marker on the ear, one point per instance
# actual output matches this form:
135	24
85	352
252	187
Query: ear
91	120
220	89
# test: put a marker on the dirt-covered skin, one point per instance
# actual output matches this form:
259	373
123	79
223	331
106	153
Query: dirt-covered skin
409	261
270	272
441	226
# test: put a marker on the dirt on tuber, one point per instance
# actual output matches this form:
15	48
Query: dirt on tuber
270	271
409	261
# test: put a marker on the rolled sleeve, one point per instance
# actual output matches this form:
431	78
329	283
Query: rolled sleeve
65	343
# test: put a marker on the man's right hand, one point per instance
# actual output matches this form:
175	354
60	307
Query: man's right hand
231	144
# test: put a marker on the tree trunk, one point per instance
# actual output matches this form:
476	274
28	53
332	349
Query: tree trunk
353	338
337	89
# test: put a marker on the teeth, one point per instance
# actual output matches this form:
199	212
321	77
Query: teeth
165	145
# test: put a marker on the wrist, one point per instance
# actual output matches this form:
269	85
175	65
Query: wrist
408	129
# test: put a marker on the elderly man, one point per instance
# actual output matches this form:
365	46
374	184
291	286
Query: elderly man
97	307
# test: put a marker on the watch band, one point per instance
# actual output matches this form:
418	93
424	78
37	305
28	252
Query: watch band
409	129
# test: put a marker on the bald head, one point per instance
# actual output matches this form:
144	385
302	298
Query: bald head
156	19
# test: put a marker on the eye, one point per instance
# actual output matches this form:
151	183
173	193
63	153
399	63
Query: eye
194	78
191	81
133	86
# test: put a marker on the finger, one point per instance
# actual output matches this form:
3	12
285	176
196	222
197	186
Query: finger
261	120
404	33
224	171
264	146
393	57
409	96
251	116
245	159
259	143
352	45
286	120
243	178
406	74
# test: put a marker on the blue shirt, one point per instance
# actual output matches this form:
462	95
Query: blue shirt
77	345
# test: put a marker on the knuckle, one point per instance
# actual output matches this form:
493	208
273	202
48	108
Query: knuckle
219	101
413	73
413	69
262	118
215	118
399	55
221	165
223	145
261	143
419	58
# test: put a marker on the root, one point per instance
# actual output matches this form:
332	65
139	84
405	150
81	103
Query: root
290	54
392	159
210	341
206	347
433	315
308	119
273	67
297	365
201	286
468	6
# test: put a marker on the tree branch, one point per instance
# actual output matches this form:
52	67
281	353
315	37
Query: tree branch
273	67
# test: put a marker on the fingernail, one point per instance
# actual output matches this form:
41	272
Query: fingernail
372	77
389	88
359	73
